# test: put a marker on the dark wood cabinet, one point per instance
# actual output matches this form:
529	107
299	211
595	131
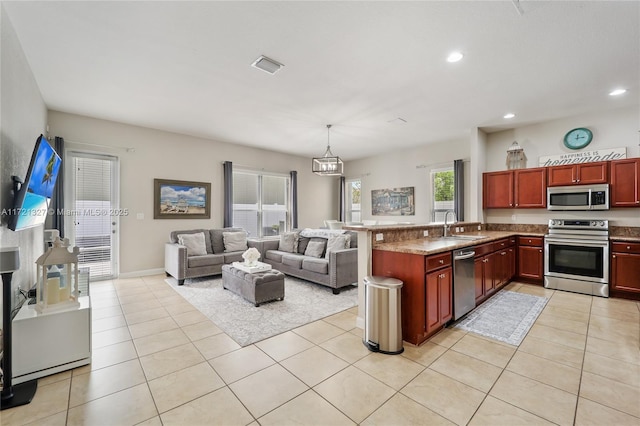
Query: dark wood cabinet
523	188
578	174
625	183
439	300
497	190
427	301
530	188
530	259
495	267
504	263
625	267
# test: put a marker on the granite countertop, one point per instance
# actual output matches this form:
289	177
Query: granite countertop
427	246
624	239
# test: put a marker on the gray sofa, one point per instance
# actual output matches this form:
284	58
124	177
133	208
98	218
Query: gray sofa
180	265
339	269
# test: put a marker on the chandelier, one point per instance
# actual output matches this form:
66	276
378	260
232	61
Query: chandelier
328	164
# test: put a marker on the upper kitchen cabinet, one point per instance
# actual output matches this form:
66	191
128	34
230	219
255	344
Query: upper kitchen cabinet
521	188
531	188
497	190
625	183
578	174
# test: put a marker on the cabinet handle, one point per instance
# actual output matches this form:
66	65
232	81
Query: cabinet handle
540	250
614	256
503	253
517	204
441	261
628	247
529	241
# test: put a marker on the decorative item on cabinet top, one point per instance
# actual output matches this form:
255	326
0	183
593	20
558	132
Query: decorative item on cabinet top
515	157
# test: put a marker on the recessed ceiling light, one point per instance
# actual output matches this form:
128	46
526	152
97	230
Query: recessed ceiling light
617	92
454	57
267	65
509	115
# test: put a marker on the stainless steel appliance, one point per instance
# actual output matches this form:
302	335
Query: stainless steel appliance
578	197
576	256
464	291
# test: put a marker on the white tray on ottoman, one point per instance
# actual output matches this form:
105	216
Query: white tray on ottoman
258	267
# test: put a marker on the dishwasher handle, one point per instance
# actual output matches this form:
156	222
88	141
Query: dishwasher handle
464	255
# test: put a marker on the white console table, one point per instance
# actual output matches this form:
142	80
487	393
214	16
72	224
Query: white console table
45	344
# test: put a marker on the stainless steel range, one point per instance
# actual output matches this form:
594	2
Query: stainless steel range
576	256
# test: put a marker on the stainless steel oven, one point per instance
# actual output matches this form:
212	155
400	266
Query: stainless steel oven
576	256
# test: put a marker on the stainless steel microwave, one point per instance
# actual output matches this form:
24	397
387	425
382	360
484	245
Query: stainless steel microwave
578	197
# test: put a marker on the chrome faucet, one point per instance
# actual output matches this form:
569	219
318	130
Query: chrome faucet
447	227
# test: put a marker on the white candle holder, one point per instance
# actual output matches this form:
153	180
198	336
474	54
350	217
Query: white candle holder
57	285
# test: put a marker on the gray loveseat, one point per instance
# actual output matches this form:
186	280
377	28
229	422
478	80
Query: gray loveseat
181	265
336	270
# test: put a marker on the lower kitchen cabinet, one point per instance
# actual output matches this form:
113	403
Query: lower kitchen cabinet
531	259
494	267
439	298
427	302
625	267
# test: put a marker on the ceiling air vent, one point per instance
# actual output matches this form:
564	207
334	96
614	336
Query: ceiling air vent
267	65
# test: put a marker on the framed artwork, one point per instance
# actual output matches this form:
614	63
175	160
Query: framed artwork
179	199
393	202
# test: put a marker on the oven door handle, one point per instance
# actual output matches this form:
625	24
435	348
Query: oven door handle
569	241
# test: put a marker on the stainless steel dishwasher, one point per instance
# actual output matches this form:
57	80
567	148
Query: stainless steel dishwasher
464	291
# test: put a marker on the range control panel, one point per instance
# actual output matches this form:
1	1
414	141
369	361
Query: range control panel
579	224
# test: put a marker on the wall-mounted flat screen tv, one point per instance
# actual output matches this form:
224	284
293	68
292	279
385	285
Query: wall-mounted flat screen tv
32	200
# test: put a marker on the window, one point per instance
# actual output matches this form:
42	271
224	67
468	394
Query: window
353	200
443	190
260	202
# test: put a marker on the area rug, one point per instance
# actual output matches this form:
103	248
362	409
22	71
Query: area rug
304	302
506	317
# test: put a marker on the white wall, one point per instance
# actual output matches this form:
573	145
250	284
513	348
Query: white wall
165	155
411	167
23	117
613	129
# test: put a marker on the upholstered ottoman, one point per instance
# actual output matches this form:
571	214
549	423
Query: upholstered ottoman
257	288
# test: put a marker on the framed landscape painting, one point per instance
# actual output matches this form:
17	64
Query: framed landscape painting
393	202
179	199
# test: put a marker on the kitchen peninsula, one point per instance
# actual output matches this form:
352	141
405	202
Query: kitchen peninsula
421	257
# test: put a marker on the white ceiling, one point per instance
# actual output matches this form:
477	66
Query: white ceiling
185	67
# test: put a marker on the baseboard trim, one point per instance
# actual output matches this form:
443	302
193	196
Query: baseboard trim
143	273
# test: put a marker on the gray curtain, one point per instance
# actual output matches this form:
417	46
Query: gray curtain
343	213
227	168
57	201
294	199
458	178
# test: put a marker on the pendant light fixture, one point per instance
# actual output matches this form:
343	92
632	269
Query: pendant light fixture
328	164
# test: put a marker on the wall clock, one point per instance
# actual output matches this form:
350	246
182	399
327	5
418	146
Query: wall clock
578	138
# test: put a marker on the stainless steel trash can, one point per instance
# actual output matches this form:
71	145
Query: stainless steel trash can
382	315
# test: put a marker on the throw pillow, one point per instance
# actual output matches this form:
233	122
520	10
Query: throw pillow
194	243
234	241
337	242
314	249
289	242
302	243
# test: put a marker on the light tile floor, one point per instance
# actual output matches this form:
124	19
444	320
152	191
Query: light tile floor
159	361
